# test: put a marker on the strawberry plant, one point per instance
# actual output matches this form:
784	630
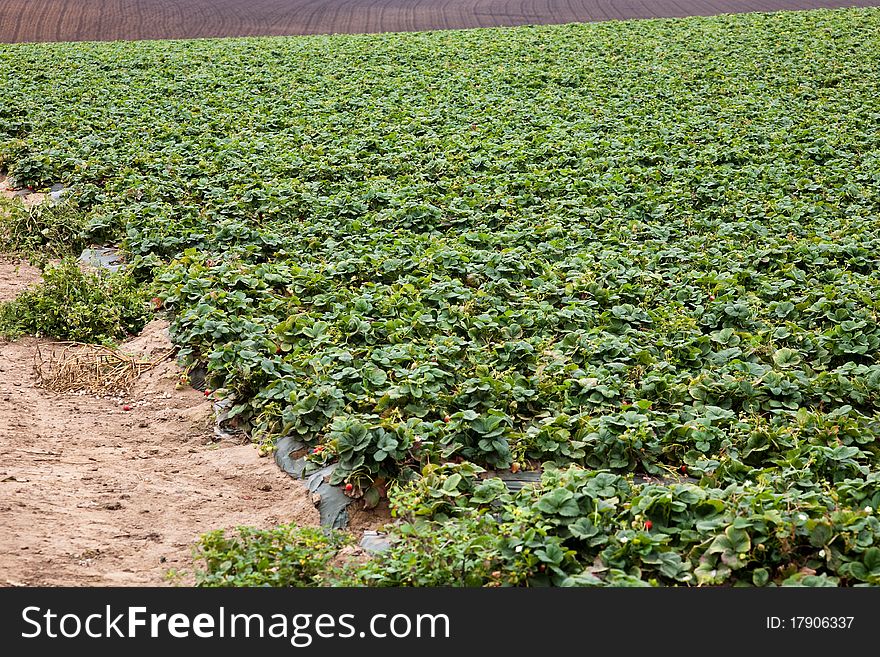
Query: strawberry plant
287	556
640	248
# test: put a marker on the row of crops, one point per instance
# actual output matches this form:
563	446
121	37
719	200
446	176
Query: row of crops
612	251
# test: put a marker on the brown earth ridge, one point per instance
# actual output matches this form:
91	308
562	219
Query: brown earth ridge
110	20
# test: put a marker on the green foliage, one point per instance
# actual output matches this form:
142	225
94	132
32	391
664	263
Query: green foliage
367	447
637	247
284	556
460	553
45	229
71	304
444	490
589	528
578	528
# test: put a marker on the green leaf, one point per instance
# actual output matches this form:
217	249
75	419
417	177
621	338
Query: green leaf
871	559
582	528
488	491
551	554
786	357
559	501
371	498
376	377
451	483
820	535
760	576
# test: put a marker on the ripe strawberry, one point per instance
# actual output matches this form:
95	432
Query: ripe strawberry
684	468
648	525
126	408
711	297
348	488
447	419
207	393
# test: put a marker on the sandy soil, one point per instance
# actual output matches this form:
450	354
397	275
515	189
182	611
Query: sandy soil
27	197
92	494
15	275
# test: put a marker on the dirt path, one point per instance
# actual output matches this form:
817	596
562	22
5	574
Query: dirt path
92	494
15	275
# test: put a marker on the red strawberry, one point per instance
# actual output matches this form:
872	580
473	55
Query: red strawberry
126	408
648	525
207	393
447	419
348	488
711	297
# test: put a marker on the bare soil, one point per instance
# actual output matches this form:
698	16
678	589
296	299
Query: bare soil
92	494
16	275
77	20
26	196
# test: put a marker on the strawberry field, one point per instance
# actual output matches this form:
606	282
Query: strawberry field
641	257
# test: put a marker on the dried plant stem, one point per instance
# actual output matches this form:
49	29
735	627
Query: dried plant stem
74	366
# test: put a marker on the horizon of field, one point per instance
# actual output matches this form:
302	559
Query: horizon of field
76	20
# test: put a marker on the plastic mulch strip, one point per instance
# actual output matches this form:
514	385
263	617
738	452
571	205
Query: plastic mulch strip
375	542
332	503
102	258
